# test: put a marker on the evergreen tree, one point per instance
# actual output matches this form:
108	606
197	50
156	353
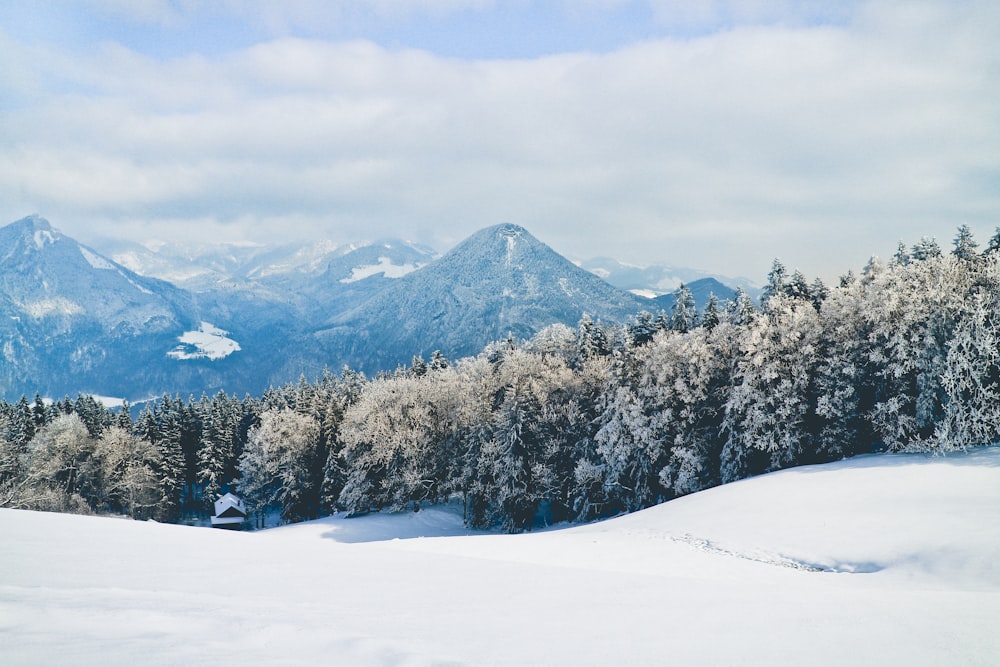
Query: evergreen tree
926	249
798	287
39	412
818	293
776	282
993	247
684	314
712	315
965	245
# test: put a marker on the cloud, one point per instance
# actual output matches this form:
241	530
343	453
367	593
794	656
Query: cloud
818	143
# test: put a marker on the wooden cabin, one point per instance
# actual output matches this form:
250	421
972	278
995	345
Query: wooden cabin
230	512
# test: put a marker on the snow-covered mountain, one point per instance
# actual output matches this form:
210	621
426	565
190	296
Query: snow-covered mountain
72	319
656	279
243	317
501	281
701	290
876	560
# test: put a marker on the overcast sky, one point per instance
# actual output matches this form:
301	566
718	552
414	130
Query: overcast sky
707	134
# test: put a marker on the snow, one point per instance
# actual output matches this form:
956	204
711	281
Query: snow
96	261
878	560
54	306
208	342
43	237
384	266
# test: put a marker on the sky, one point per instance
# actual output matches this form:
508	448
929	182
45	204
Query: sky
709	134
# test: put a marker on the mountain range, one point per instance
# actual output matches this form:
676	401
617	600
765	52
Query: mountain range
243	317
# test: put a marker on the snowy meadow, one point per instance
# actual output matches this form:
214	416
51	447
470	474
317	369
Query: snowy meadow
877	560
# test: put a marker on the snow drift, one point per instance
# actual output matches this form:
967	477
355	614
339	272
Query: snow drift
875	560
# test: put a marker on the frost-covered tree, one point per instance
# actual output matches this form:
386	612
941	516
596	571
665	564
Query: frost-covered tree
777	280
713	313
129	479
516	454
769	409
911	313
221	444
971	380
63	474
686	383
278	466
630	451
684	313
965	245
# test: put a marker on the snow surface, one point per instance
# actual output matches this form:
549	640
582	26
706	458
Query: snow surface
208	342
880	560
384	266
43	237
54	306
96	261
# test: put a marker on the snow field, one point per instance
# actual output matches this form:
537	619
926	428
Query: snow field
881	560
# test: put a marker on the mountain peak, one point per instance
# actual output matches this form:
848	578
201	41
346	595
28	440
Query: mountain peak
31	224
31	233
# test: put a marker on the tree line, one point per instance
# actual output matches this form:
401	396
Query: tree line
570	425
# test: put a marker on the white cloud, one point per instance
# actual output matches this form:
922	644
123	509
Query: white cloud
818	144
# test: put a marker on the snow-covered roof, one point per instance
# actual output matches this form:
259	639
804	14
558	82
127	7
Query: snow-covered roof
230	501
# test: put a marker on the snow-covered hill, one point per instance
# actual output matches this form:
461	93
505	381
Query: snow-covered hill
500	281
879	560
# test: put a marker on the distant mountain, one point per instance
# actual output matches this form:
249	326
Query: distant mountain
656	280
701	290
70	318
500	281
243	317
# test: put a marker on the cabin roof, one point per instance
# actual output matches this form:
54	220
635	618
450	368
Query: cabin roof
230	505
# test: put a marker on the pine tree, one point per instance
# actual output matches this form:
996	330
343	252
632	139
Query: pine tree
965	245
712	315
684	314
39	412
776	282
993	246
926	249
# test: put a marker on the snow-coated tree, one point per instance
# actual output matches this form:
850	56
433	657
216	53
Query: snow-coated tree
402	440
640	328
630	450
926	248
128	473
818	293
221	444
798	287
844	376
162	430
713	314
911	314
63	475
993	246
971	379
593	338
769	408
776	282
514	455
278	464
686	386
741	310
684	313
965	245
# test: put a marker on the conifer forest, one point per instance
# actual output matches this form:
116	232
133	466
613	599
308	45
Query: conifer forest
570	425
